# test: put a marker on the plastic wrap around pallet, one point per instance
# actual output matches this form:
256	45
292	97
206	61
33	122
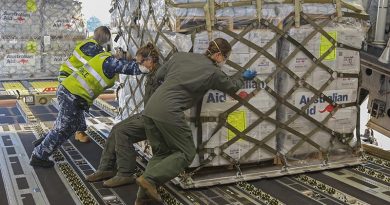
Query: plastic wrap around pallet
19	20
37	36
298	114
56	51
63	19
19	57
130	94
182	18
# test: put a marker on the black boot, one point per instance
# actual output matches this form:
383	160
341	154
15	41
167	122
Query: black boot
37	162
38	141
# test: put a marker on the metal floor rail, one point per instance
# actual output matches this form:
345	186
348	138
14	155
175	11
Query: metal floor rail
65	183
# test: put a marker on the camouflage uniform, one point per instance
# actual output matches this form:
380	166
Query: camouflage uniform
70	118
89	49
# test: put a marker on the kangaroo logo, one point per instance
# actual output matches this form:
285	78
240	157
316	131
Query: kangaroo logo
23	61
20	19
68	26
328	108
243	94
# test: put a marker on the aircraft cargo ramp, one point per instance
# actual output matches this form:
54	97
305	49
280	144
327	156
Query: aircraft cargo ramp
313	49
65	183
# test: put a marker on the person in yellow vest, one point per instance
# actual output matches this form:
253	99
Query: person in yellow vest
75	94
85	51
82	53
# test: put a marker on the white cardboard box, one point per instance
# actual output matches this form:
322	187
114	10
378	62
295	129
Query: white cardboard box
216	102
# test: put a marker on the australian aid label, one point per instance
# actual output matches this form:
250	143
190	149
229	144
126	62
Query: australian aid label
320	108
62	24
58	59
14	17
214	96
19	59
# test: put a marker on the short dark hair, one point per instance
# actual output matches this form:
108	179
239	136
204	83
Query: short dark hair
219	45
102	35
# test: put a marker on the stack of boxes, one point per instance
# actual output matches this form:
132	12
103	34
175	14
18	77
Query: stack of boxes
19	38
62	28
216	102
37	36
130	93
341	90
131	89
170	25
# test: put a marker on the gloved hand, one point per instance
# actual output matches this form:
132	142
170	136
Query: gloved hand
249	74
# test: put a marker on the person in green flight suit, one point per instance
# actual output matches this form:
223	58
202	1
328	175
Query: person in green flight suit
119	148
187	77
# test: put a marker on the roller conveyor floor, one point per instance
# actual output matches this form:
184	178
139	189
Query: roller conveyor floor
65	184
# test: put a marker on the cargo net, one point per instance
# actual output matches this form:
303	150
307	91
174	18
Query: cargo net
37	36
298	114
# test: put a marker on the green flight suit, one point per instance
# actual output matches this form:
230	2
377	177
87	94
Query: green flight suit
119	148
187	77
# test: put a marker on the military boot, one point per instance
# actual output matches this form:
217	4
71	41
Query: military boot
99	176
119	181
150	189
37	162
81	136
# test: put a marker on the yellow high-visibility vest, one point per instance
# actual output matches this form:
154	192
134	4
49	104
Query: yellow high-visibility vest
89	81
75	61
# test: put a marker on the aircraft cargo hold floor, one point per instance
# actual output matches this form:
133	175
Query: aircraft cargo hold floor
64	184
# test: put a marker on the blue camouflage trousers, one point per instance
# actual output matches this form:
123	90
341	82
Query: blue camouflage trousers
70	118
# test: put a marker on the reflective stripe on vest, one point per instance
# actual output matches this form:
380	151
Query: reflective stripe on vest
84	84
71	66
81	59
96	75
61	78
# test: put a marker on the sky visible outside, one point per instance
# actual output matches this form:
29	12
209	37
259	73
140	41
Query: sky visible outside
99	8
